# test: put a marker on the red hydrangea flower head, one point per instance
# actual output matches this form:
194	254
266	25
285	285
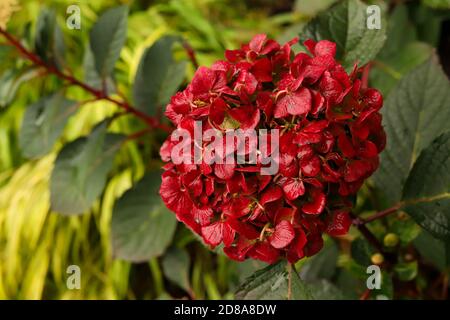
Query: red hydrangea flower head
329	142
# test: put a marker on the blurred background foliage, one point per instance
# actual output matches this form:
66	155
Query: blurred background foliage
37	245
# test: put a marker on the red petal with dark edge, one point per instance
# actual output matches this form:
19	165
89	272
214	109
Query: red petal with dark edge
317	203
203	215
176	200
262	70
325	47
339	223
271	194
224	171
297	103
264	252
283	235
228	234
310	167
257	43
346	146
212	234
293	188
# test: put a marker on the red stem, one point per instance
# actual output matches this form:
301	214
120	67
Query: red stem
191	53
365	76
359	221
365	295
367	233
99	94
138	134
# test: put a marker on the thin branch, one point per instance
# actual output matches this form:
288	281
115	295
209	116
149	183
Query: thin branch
138	134
360	221
99	94
365	295
191	53
367	234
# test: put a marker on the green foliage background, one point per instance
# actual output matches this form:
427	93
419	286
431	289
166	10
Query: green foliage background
37	245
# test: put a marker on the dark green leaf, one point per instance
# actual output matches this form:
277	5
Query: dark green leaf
387	287
246	268
176	267
414	114
142	226
346	24
400	32
361	251
388	71
92	77
80	171
107	38
271	283
322	265
43	123
427	190
433	250
401	53
350	284
49	42
158	76
325	290
428	24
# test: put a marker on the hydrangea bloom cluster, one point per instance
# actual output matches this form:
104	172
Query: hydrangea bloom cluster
330	137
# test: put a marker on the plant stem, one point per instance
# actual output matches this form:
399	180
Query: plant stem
138	134
191	54
359	221
367	234
99	94
365	295
365	76
289	293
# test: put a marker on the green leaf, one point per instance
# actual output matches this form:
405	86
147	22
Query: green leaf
346	24
49	41
81	169
427	190
142	226
175	265
400	32
311	8
43	124
406	271
406	229
437	4
189	14
10	82
107	38
158	76
322	265
433	250
387	287
361	252
414	114
325	290
247	267
401	53
386	72
428	24
92	77
271	283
